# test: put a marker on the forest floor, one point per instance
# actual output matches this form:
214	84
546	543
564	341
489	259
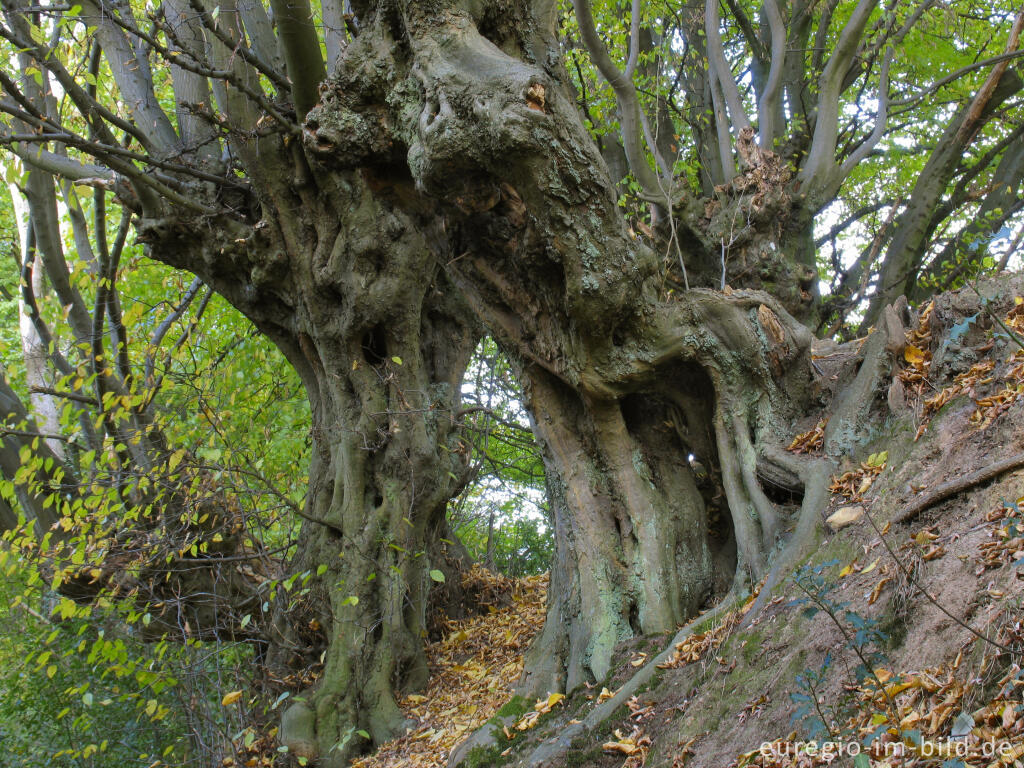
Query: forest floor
900	639
474	669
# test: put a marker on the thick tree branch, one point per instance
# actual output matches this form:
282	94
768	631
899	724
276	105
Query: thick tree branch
868	145
630	118
972	121
821	160
297	35
720	68
132	74
768	101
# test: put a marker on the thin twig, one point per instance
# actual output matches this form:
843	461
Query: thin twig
913	580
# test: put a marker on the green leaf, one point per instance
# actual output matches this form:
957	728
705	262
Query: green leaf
437	576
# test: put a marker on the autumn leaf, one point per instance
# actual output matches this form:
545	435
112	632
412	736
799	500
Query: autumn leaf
604	695
230	698
878	589
553	699
913	355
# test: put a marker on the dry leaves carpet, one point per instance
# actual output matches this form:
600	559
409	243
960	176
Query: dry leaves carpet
473	670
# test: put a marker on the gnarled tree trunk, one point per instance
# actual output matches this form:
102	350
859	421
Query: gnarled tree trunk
354	296
623	386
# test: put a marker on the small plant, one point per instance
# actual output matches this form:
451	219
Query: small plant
864	638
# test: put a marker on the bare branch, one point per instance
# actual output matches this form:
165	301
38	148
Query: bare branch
876	134
725	154
972	122
238	47
42	201
161	331
58	165
65	395
634	40
749	33
630	118
853	218
131	73
264	44
95	113
956	75
333	12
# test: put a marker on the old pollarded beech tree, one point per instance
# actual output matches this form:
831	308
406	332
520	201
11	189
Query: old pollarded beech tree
624	196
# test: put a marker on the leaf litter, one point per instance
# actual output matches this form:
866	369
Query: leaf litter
976	382
958	714
474	668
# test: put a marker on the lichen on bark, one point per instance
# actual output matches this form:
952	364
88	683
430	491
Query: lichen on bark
622	384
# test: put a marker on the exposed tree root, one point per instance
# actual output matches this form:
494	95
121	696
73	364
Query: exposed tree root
815	475
954	487
549	751
852	407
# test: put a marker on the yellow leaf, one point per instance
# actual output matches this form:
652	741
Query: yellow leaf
898	688
913	355
871	567
878	590
554	698
230	698
847	570
878	459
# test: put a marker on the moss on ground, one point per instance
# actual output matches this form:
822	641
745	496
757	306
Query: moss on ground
751	648
484	757
515	707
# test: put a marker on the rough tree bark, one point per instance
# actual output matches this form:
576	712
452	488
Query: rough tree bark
481	129
353	295
337	269
441	179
